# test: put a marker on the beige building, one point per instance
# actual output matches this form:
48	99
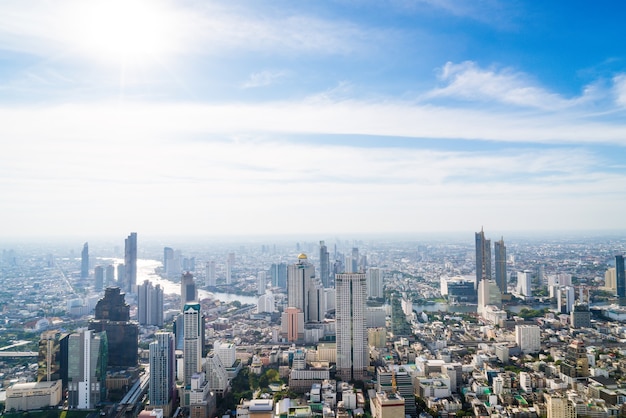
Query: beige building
610	280
386	404
558	406
28	396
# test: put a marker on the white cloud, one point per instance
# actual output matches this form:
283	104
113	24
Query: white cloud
263	79
619	87
467	81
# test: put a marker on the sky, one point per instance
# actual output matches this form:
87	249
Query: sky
207	118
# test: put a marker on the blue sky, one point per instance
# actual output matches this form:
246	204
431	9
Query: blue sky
254	117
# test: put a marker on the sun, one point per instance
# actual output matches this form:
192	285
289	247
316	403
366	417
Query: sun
126	31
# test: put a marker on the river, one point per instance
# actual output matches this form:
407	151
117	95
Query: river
146	271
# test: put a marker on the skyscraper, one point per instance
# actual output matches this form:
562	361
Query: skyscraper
298	277
130	261
162	370
84	262
324	265
109	276
188	290
355	260
374	283
500	257
620	276
86	369
113	316
278	272
192	341
149	304
483	257
211	278
352	357
98	274
261	282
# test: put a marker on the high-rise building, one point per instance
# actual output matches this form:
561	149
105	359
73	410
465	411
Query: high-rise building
559	406
299	278
192	341
524	283
374	283
576	363
261	282
162	370
112	316
130	261
528	338
292	324
98	274
49	358
84	262
226	351
483	257
211	277
354	259
188	290
86	369
121	275
610	280
149	304
620	276
109	276
500	260
230	262
168	256
352	354
278	272
488	295
580	317
324	265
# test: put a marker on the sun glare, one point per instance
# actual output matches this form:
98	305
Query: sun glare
132	31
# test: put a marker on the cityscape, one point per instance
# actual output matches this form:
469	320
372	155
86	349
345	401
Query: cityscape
312	209
385	328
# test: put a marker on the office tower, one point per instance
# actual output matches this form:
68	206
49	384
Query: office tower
211	277
149	304
355	260
324	265
352	355
162	370
168	256
610	280
113	317
188	290
216	373
299	276
86	369
620	276
98	273
528	338
109	276
500	260
84	262
565	299
483	257
49	356
230	262
375	283
266	303
261	282
278	272
385	376
192	341
576	363
524	282
488	295
121	275
130	263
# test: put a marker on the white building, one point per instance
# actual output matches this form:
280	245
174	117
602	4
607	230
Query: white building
192	341
352	350
374	283
528	338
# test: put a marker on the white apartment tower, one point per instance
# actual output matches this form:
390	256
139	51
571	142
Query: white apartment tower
528	338
352	351
374	283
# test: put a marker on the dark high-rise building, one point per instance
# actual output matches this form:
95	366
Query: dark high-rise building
188	290
113	316
130	261
500	259
620	276
576	363
84	262
162	370
324	265
98	274
483	257
149	304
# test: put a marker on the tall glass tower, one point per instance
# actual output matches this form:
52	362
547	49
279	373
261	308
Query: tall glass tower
483	257
130	263
500	258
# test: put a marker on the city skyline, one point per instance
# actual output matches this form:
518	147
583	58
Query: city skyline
186	118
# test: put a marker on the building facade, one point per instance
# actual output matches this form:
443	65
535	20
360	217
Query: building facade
352	350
